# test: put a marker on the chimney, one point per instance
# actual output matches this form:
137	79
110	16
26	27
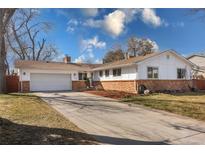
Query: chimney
67	59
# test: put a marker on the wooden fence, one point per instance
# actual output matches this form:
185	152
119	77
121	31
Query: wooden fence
199	84
12	83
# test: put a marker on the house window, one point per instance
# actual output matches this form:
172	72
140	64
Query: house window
152	73
82	76
107	73
117	72
100	73
181	73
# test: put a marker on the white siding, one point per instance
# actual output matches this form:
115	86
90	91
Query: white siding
167	67
127	73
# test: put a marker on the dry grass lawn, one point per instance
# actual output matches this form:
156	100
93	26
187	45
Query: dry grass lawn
187	104
26	119
190	104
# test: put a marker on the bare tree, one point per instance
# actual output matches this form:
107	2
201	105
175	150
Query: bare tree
114	54
139	47
133	47
10	58
5	16
26	36
146	47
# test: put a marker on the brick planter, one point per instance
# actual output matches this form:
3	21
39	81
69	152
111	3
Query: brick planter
79	85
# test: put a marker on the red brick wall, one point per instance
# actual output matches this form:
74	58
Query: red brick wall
78	85
131	86
121	85
25	86
160	85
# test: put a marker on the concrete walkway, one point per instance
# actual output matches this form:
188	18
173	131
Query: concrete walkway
111	122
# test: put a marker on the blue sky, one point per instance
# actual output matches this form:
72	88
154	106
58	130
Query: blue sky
87	34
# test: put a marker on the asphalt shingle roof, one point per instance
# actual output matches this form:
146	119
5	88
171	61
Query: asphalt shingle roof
86	67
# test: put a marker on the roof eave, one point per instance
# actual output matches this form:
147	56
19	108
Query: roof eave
116	66
185	59
195	55
66	69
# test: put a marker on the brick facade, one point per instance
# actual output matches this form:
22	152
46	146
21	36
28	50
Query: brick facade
79	85
162	85
25	86
131	86
120	85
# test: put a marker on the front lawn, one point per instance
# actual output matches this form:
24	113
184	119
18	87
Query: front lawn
26	119
190	104
186	104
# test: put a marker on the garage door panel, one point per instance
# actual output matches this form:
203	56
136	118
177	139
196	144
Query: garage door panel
50	82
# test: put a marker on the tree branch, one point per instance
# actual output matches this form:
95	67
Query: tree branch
41	46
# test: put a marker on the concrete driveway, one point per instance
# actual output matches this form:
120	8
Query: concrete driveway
111	122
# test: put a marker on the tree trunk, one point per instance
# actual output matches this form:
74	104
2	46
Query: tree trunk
2	65
1	57
5	16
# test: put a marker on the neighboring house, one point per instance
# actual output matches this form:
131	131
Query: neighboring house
158	71
198	60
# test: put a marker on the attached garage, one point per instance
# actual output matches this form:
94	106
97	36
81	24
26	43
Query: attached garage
50	82
50	76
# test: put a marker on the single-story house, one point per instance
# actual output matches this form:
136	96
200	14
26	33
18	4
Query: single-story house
157	71
198	60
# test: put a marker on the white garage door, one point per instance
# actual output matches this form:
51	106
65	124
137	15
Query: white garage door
50	82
